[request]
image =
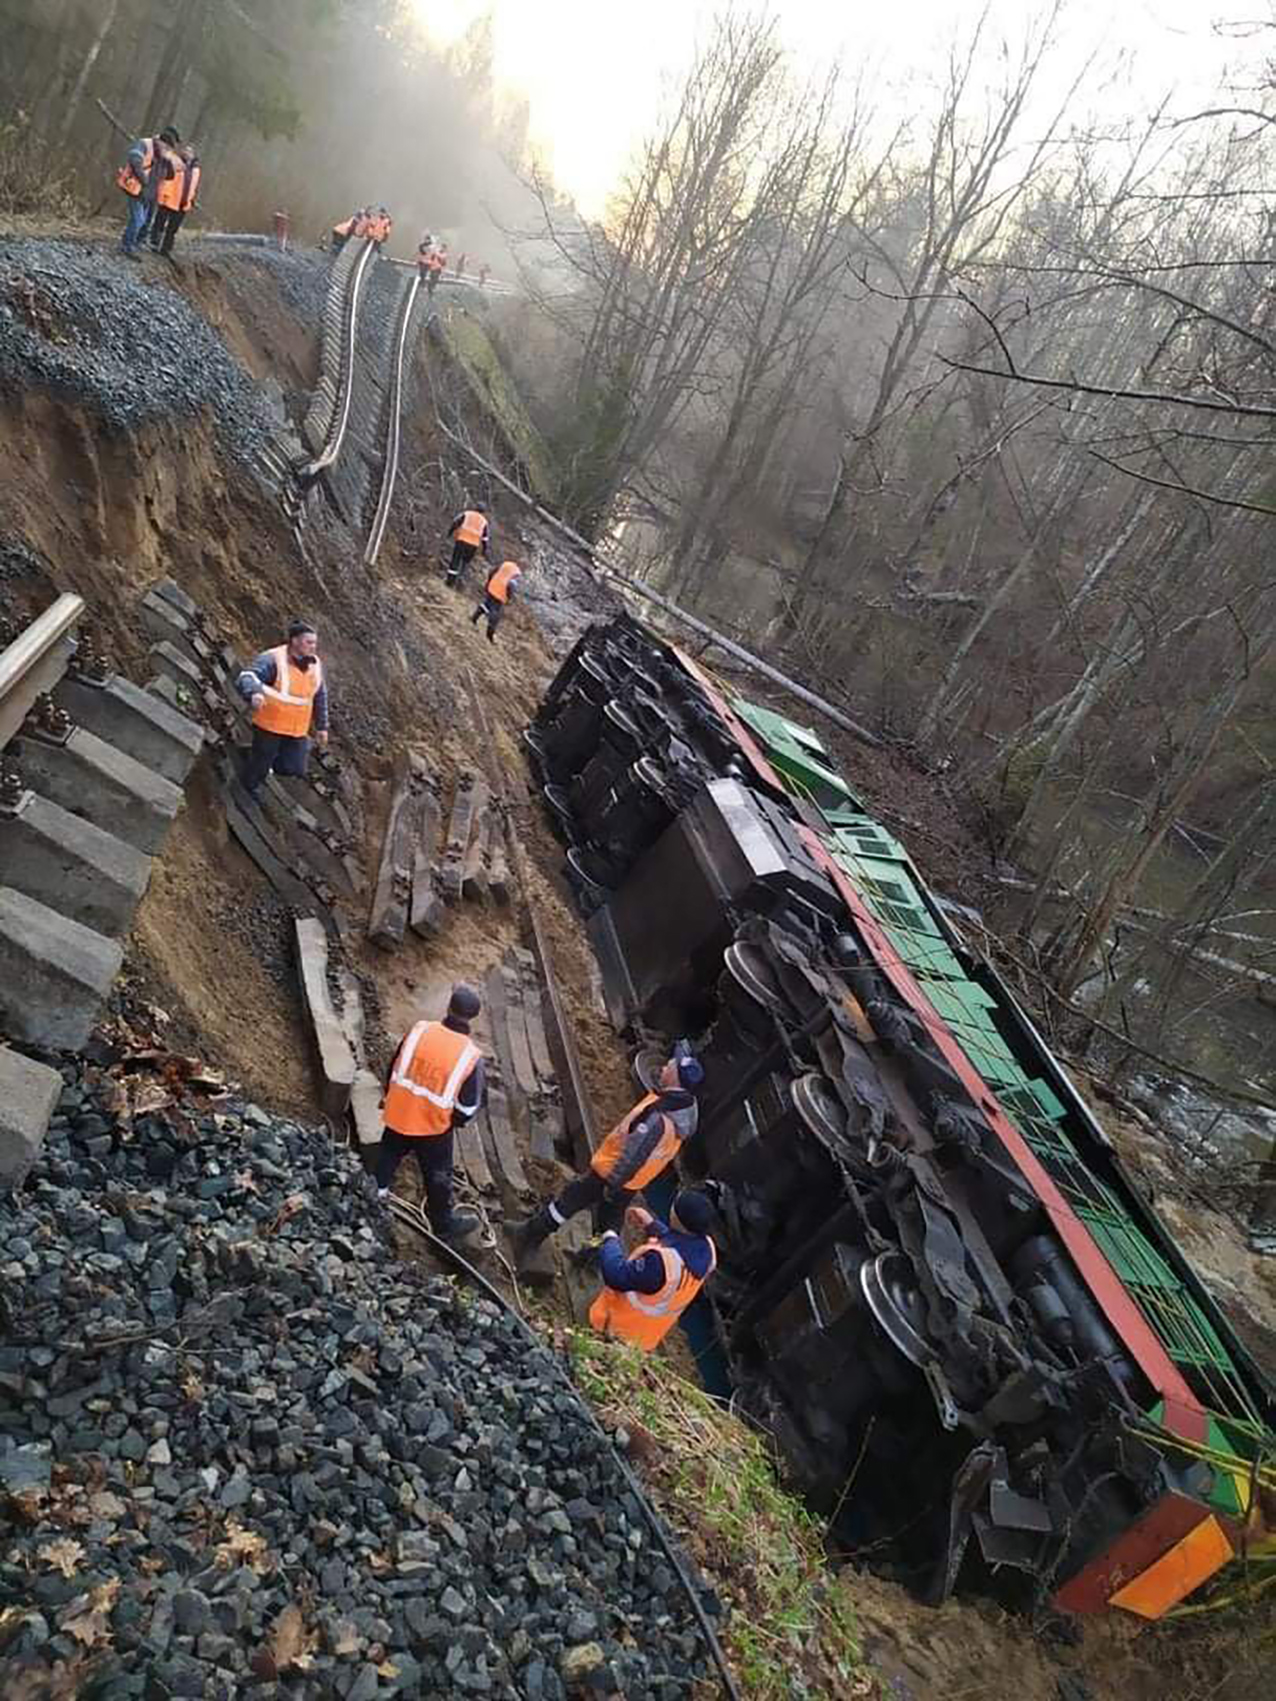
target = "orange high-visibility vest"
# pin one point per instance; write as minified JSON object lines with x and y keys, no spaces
{"x":612,"y":1151}
{"x":289,"y":702}
{"x":433,"y":1065}
{"x":644,"y":1319}
{"x":178,"y":192}
{"x":471,"y":527}
{"x":498,"y":586}
{"x":127,"y":178}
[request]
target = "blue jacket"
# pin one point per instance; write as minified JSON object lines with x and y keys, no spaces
{"x":263,"y":671}
{"x":646,"y":1273}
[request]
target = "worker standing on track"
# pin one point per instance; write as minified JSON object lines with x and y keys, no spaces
{"x":435,"y":266}
{"x":485,"y":272}
{"x":644,"y":1295}
{"x":140,"y":178}
{"x":496,"y":596}
{"x":289,"y":695}
{"x":435,"y":1081}
{"x":640,"y":1147}
{"x":460,"y":264}
{"x":176,"y":198}
{"x":380,"y":224}
{"x":470,"y":533}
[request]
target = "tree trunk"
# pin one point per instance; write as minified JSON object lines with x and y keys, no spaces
{"x":82,"y":76}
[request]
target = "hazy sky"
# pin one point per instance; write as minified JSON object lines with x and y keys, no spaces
{"x":594,"y":69}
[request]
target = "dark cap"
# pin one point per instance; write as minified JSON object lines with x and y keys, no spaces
{"x":299,"y":628}
{"x":693,"y":1211}
{"x":464,"y":1003}
{"x":169,"y":134}
{"x":690,"y":1068}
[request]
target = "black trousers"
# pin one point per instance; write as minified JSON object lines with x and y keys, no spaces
{"x":164,"y":227}
{"x":269,"y":750}
{"x":433,"y":1156}
{"x":462,"y":555}
{"x":493,"y":609}
{"x":589,"y":1192}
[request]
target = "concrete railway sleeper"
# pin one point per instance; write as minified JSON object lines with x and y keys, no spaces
{"x":91,"y":776}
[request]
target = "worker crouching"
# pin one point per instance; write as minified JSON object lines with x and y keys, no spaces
{"x":500,"y":587}
{"x":643,"y":1295}
{"x":435,"y":1082}
{"x":639,"y":1148}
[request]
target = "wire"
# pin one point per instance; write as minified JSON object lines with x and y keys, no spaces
{"x":411,"y":1218}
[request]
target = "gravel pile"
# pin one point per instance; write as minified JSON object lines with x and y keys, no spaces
{"x":85,"y":323}
{"x":246,"y":1451}
{"x":301,"y":273}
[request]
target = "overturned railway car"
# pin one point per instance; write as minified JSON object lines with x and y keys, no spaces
{"x":971,"y":1338}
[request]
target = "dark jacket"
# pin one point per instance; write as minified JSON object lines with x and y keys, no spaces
{"x":646,"y":1273}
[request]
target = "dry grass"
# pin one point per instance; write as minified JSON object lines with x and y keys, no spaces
{"x":790,"y":1633}
{"x":31,"y":181}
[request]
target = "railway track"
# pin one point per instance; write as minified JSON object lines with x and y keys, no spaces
{"x":393,"y":411}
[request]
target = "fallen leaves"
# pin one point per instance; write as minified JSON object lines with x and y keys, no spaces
{"x":289,"y":1647}
{"x":63,"y":1555}
{"x":242,"y":1547}
{"x":88,"y":1617}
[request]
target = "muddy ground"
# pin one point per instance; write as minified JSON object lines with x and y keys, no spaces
{"x":107,"y":513}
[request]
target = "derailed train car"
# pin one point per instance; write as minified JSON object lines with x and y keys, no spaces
{"x":970,"y":1336}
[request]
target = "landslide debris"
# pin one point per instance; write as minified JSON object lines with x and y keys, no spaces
{"x":82,"y":323}
{"x":244,"y":1445}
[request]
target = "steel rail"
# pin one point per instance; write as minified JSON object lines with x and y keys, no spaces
{"x":394,"y":422}
{"x":35,"y":661}
{"x":337,"y":432}
{"x":412,"y":1219}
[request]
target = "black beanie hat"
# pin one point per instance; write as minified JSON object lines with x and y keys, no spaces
{"x":464,"y":1003}
{"x":693,"y":1211}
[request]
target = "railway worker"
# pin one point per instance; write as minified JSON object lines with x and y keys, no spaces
{"x":435,"y":266}
{"x":643,"y":1295}
{"x":485,"y":272}
{"x":460,"y":264}
{"x":379,"y":227}
{"x":289,"y":698}
{"x":341,"y":233}
{"x":435,"y":1083}
{"x":177,"y":195}
{"x":140,"y":177}
{"x":640,"y":1147}
{"x":470,"y":533}
{"x":498,"y":590}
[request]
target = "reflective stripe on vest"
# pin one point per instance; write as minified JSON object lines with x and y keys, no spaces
{"x":127,"y":178}
{"x":614,"y":1149}
{"x":433,"y":1065}
{"x":644,"y":1319}
{"x":498,"y":586}
{"x":288,"y":704}
{"x":471,"y":527}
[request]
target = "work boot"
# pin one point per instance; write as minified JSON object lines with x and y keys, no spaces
{"x":460,"y":1225}
{"x":527,"y":1235}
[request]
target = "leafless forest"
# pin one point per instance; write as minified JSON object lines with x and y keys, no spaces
{"x":957,"y":405}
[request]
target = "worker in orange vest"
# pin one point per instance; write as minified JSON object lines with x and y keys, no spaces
{"x":176,"y":198}
{"x":341,"y":233}
{"x":435,"y":1081}
{"x":640,"y":1147}
{"x":435,"y":266}
{"x":496,"y":595}
{"x":140,"y":178}
{"x":289,"y":698}
{"x":470,"y":533}
{"x":645,"y":1294}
